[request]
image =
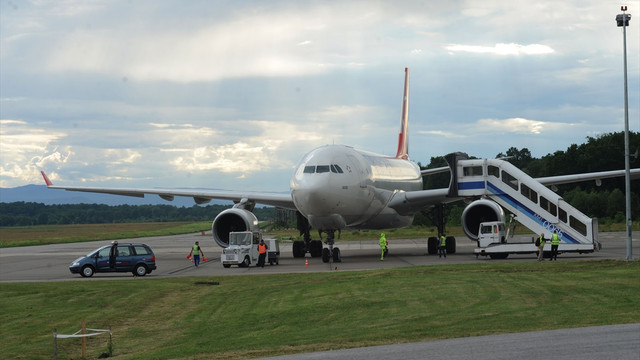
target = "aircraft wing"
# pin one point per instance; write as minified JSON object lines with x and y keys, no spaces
{"x":566,"y":179}
{"x":200,"y":196}
{"x":406,"y":203}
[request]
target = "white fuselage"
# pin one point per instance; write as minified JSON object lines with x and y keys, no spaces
{"x":337,"y":187}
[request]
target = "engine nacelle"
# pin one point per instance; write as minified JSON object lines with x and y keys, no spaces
{"x":233,"y":219}
{"x":477,"y":212}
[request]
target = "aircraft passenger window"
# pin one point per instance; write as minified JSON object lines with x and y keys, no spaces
{"x":336,"y":169}
{"x":472,"y":171}
{"x":494,"y":170}
{"x":322,"y":169}
{"x":309,"y":169}
{"x":529,"y":193}
{"x":578,"y":225}
{"x":548,"y":206}
{"x":562,"y":215}
{"x":509,"y":180}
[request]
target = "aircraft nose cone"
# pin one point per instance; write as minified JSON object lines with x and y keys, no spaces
{"x":313,"y":199}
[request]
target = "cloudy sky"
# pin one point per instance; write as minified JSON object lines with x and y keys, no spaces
{"x":231,"y":94}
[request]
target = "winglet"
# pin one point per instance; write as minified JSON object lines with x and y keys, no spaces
{"x":46,"y":179}
{"x":403,"y":136}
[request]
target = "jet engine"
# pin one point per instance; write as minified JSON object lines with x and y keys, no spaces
{"x":233,"y":219}
{"x":480,"y":211}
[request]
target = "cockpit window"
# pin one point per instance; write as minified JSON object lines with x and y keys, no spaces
{"x":322,"y":169}
{"x":334,"y":168}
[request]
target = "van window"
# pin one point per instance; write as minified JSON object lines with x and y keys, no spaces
{"x":124,"y":250}
{"x":141,"y":250}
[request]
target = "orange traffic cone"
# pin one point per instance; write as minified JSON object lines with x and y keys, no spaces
{"x":306,"y":261}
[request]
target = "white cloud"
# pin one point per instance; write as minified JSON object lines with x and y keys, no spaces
{"x":519,"y":126}
{"x":510,"y":49}
{"x":25,"y":150}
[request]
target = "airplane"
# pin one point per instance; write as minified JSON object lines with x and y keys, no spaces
{"x":338,"y":187}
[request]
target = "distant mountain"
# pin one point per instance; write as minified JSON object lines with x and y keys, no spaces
{"x":40,"y":194}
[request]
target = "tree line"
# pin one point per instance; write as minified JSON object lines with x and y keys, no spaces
{"x":30,"y":213}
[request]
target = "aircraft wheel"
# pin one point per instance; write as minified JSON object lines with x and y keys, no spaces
{"x":298,"y":249}
{"x":451,"y":245}
{"x":326,"y":254}
{"x":336,"y":255}
{"x":315,"y":248}
{"x":432,"y":245}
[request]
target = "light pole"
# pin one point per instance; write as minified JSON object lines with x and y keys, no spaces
{"x":623,"y":21}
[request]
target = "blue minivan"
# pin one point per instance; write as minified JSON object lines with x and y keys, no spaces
{"x":135,"y":258}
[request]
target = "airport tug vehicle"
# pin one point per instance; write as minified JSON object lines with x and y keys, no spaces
{"x":243,"y":249}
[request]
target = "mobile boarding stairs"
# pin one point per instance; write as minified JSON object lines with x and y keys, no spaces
{"x":535,"y":206}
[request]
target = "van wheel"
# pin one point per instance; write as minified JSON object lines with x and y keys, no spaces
{"x":226,"y":266}
{"x":87,"y":271}
{"x":140,"y":270}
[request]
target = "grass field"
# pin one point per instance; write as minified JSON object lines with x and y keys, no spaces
{"x":58,"y":234}
{"x":262,"y":315}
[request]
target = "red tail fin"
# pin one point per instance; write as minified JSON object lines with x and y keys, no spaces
{"x":46,"y":179}
{"x":403,"y":136}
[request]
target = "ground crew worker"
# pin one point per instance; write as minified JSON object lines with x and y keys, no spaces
{"x":196,"y":251}
{"x":262,"y":253}
{"x":555,"y":241}
{"x":442,"y":249}
{"x":383,"y":246}
{"x":113,"y":254}
{"x":540,"y":242}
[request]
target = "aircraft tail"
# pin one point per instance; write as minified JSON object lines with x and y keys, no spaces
{"x":403,"y":136}
{"x":46,"y":178}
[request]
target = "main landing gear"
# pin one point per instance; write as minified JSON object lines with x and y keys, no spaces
{"x":315,"y":247}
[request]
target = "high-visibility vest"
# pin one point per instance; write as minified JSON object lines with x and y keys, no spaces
{"x":443,"y":241}
{"x":541,"y":241}
{"x":555,"y":239}
{"x":196,"y":250}
{"x":383,"y":242}
{"x":262,"y":248}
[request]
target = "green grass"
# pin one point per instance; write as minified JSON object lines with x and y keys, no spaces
{"x":11,"y":236}
{"x":264,"y":315}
